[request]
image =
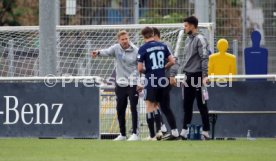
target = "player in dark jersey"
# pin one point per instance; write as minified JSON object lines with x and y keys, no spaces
{"x":171,"y":72}
{"x":153,"y":55}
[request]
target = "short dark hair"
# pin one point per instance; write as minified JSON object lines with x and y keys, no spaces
{"x":192,"y":20}
{"x":156,"y":32}
{"x":147,"y":32}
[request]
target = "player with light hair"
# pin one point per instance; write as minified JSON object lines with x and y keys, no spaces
{"x":125,"y":54}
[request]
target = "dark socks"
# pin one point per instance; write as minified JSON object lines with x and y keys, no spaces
{"x":150,"y":121}
{"x":157,"y":119}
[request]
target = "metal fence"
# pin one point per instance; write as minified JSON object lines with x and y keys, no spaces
{"x":98,"y":12}
{"x":235,"y":19}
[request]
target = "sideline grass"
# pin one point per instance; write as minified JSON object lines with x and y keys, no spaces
{"x":98,"y":150}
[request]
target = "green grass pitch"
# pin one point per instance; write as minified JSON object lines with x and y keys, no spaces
{"x":99,"y":150}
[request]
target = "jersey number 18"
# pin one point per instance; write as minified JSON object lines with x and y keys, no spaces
{"x":157,"y":60}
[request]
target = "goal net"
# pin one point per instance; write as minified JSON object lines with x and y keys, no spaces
{"x":19,"y":56}
{"x":19,"y":47}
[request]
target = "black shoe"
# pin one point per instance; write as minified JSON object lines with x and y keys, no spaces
{"x":182,"y":137}
{"x":170,"y":137}
{"x":165,"y":133}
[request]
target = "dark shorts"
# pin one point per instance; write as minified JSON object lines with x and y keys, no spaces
{"x":157,"y":94}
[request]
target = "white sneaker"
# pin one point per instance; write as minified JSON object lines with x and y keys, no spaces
{"x":205,"y":135}
{"x":163,"y":128}
{"x":184,"y":134}
{"x":120,"y":138}
{"x":175,"y":132}
{"x":159,"y":135}
{"x":133,"y":137}
{"x":150,"y":139}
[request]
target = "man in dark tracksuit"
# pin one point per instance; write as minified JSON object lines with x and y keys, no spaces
{"x":196,"y":71}
{"x":125,"y":53}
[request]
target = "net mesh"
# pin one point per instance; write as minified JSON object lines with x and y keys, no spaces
{"x":19,"y":48}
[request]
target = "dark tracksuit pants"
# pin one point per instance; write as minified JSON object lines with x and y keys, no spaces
{"x":123,"y":94}
{"x":190,"y":94}
{"x":165,"y":108}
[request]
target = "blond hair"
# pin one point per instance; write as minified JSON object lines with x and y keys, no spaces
{"x":121,"y":33}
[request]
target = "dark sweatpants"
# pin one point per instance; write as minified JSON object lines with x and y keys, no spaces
{"x":192,"y":92}
{"x":123,"y":94}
